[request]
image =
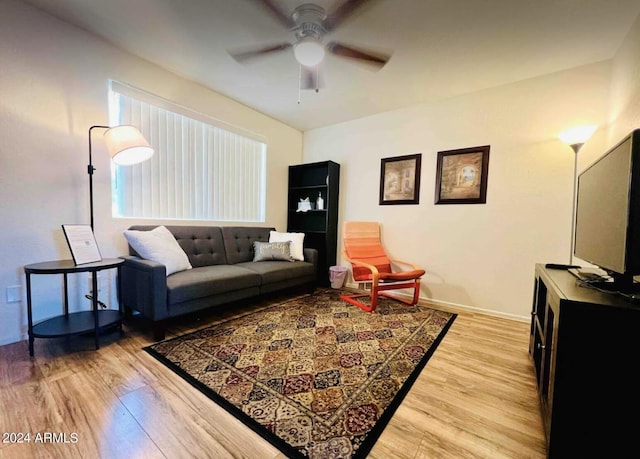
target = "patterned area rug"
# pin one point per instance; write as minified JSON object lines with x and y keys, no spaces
{"x":314,"y":376}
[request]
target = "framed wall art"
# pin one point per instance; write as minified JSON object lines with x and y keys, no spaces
{"x":461,"y":176}
{"x":400,"y":180}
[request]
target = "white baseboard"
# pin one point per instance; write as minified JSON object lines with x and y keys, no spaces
{"x":457,"y":307}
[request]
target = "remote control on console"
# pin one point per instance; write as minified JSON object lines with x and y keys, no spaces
{"x":560,"y":266}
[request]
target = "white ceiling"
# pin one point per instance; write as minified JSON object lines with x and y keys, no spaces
{"x":441,"y":48}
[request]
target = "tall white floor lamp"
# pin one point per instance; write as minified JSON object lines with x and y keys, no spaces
{"x":575,"y":138}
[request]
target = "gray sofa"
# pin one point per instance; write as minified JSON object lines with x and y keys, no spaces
{"x":223,"y":272}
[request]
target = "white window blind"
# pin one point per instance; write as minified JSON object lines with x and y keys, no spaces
{"x":199,"y":171}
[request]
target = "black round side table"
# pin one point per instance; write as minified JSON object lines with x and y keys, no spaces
{"x":76,"y":322}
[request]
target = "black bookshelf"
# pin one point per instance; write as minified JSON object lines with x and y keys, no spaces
{"x":320,"y":226}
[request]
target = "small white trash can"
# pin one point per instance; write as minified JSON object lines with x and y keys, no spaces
{"x":337,"y":275}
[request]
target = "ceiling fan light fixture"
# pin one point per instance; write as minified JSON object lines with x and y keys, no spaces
{"x":308,"y":52}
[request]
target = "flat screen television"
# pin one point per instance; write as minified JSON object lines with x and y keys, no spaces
{"x":607,"y":230}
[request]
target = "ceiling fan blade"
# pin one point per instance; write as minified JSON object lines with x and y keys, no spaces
{"x":310,"y":78}
{"x":341,"y":13}
{"x":242,"y":55}
{"x":277,"y":13}
{"x":374,"y":58}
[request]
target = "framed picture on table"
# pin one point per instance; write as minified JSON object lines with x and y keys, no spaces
{"x":82,"y":243}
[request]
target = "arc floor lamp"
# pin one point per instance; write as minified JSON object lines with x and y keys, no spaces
{"x":575,"y":138}
{"x":126,"y":146}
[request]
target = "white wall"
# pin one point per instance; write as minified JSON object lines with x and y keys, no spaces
{"x":624,"y":103}
{"x":478,"y":256}
{"x":53,"y":87}
{"x":481,"y":257}
{"x":623,"y":114}
{"x":53,"y":81}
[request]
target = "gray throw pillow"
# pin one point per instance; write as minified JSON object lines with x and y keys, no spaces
{"x":270,"y":251}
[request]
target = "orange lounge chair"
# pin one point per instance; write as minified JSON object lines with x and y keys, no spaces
{"x":370,"y":264}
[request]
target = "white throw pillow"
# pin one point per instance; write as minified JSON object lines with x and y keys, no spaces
{"x":161,"y":246}
{"x":297,"y":242}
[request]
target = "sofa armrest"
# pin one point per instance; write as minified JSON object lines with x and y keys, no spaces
{"x":311,"y":256}
{"x":144,"y":287}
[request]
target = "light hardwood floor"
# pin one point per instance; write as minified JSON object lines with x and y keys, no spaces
{"x":476,"y":398}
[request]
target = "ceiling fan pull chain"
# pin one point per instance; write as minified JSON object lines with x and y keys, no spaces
{"x":299,"y":81}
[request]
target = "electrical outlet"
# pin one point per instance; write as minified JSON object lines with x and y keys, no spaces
{"x":13,"y":294}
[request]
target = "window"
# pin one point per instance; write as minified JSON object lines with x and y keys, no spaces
{"x":202,"y":168}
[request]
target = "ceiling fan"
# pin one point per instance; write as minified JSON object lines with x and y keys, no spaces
{"x":310,"y":23}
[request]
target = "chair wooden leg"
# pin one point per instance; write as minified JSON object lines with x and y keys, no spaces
{"x":416,"y":293}
{"x":351,"y":299}
{"x":377,"y":291}
{"x":374,"y":297}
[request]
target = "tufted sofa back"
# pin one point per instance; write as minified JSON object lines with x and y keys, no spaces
{"x":238,"y":241}
{"x":202,"y":244}
{"x":214,"y":245}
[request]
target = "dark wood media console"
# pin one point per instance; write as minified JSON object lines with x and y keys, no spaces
{"x":585,"y":346}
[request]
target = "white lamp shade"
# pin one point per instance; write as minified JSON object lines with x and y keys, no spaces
{"x":127,"y":145}
{"x":577,"y":135}
{"x":309,"y":52}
